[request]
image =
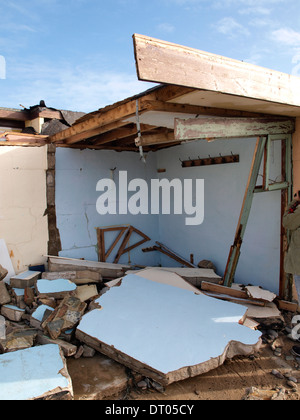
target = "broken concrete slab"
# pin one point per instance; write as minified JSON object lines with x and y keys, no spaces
{"x":86,"y":292}
{"x":146,"y":326}
{"x":4,"y":295}
{"x":18,"y":340}
{"x":26,"y":279}
{"x":67,"y":275}
{"x":107,"y":270}
{"x":13,"y":313}
{"x":77,"y":277}
{"x":57,"y":289}
{"x":68,"y":349}
{"x":64,"y":317}
{"x":35,"y":373}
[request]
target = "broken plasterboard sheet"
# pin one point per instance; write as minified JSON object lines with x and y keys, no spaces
{"x":256,"y":292}
{"x":5,"y":261}
{"x":160,"y":276}
{"x":164,"y":332}
{"x":35,"y":373}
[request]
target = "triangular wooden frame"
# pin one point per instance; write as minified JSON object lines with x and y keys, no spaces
{"x":123,"y":249}
{"x":102,"y":254}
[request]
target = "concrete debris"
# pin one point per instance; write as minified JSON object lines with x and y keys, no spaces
{"x":107,"y":271}
{"x":87,"y":292}
{"x":64,"y":317}
{"x":18,"y":340}
{"x":26,"y":279}
{"x":68,"y":349}
{"x":77,"y":277}
{"x":13,"y":313}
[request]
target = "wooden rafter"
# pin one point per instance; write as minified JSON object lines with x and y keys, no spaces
{"x":114,"y":117}
{"x":121,"y":133}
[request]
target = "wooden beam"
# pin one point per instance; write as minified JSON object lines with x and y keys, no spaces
{"x":162,"y":62}
{"x":121,"y":133}
{"x":91,"y":125}
{"x":154,"y":139}
{"x":47,"y":113}
{"x":218,"y":128}
{"x":20,"y":139}
{"x":14,"y":115}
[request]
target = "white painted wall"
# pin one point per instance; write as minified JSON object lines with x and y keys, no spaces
{"x":23,"y":203}
{"x":79,"y":171}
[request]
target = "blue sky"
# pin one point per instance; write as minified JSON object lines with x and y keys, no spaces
{"x":78,"y":54}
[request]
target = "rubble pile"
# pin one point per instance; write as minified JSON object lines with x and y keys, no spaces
{"x":37,"y":311}
{"x":51,"y":316}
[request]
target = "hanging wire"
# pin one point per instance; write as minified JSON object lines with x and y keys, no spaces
{"x":138,"y":124}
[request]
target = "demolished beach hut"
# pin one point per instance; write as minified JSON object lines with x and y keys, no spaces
{"x":231,"y":127}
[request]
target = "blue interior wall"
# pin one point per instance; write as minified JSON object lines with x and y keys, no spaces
{"x":77,"y":174}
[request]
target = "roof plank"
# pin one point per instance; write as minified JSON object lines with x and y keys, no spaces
{"x":162,"y":62}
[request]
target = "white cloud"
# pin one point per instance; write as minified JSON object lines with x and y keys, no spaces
{"x":229,"y":26}
{"x":287,"y":36}
{"x":255,"y":11}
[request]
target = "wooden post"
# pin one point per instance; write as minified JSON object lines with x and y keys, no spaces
{"x":235,"y":250}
